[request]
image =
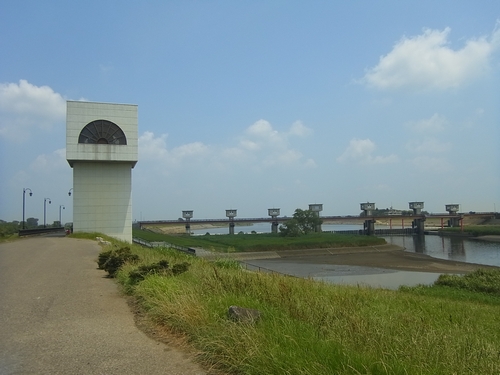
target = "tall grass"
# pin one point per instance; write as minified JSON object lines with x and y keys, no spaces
{"x":477,"y":230}
{"x":309,"y":327}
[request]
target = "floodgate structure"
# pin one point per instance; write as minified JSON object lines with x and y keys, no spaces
{"x":453,"y":218}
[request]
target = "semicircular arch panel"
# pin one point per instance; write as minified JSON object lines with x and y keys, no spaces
{"x":102,"y":132}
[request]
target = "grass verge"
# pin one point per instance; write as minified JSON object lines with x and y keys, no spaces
{"x":309,"y":327}
{"x":477,"y":230}
{"x":262,"y":241}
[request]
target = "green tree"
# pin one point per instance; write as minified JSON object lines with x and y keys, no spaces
{"x":303,"y":222}
{"x":8,"y":229}
{"x":31,"y":222}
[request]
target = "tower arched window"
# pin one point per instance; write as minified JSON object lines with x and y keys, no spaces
{"x":102,"y":132}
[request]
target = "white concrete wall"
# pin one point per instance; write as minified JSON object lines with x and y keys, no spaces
{"x":79,"y":114}
{"x":102,"y":173}
{"x":102,"y":198}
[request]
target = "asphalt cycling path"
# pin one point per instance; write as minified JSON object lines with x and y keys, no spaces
{"x":59,"y":314}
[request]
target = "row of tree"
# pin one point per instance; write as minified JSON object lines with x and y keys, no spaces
{"x":10,"y":228}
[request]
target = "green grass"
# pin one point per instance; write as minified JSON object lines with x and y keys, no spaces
{"x":262,"y":242}
{"x":477,"y":230}
{"x":309,"y":327}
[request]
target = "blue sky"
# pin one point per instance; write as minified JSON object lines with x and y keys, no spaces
{"x":258,"y":104}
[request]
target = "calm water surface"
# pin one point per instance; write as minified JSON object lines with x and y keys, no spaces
{"x":452,"y":248}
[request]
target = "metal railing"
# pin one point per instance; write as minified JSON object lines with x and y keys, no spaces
{"x":31,"y":232}
{"x":153,"y":244}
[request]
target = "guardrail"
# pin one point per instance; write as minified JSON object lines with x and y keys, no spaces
{"x":149,"y":244}
{"x":31,"y":232}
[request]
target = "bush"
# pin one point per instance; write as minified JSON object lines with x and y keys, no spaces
{"x":103,"y":258}
{"x":482,"y":281}
{"x":159,"y":268}
{"x":112,"y":260}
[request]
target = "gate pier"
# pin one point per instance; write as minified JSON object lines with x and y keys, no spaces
{"x":418,"y":223}
{"x":369,"y":224}
{"x":231,"y":214}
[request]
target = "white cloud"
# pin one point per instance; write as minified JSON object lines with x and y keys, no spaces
{"x":427,"y":62}
{"x":360,"y":151}
{"x":24,"y":106}
{"x":262,"y":133}
{"x":299,"y":129}
{"x":425,"y":143}
{"x":428,"y":145}
{"x":49,"y":162}
{"x":435,"y":124}
{"x":155,"y":149}
{"x":260,"y":146}
{"x":151,"y":147}
{"x":272,"y":147}
{"x":431,"y":164}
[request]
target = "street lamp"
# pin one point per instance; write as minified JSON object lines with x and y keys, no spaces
{"x":24,"y":201}
{"x":45,"y":211}
{"x":69,"y":192}
{"x":60,"y":219}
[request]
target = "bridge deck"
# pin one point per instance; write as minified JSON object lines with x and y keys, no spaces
{"x":329,"y":219}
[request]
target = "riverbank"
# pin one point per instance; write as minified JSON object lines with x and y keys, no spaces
{"x":310,"y":327}
{"x":384,"y":256}
{"x":392,"y":259}
{"x":488,"y":238}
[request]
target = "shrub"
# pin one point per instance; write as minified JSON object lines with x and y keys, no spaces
{"x":482,"y":280}
{"x":103,"y":258}
{"x":179,"y":268}
{"x":112,"y":260}
{"x":158,"y":268}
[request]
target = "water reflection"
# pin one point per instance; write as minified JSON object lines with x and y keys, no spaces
{"x":390,"y":280}
{"x":453,"y":248}
{"x":343,"y":274}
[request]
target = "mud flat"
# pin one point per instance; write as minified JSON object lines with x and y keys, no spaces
{"x":181,"y":228}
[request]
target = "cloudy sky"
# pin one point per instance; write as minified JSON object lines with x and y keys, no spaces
{"x":252,"y":105}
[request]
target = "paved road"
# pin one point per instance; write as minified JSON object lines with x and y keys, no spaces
{"x":60,"y":315}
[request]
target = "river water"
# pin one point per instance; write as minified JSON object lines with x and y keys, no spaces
{"x":452,"y":248}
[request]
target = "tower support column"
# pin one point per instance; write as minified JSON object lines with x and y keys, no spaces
{"x":231,"y":214}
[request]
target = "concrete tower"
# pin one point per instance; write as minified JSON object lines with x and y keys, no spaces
{"x":101,"y":147}
{"x":231,"y":214}
{"x":316,"y":208}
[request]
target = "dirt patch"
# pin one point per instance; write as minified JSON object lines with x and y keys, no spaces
{"x":181,"y":228}
{"x":392,"y":259}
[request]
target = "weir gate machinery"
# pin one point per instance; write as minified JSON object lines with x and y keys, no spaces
{"x":231,"y":214}
{"x":369,"y":224}
{"x":452,"y":209}
{"x":418,"y":223}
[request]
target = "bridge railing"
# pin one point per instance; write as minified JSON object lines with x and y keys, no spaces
{"x":377,"y":232}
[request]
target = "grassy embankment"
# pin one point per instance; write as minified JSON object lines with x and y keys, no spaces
{"x":261,"y":242}
{"x":309,"y":327}
{"x":477,"y":230}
